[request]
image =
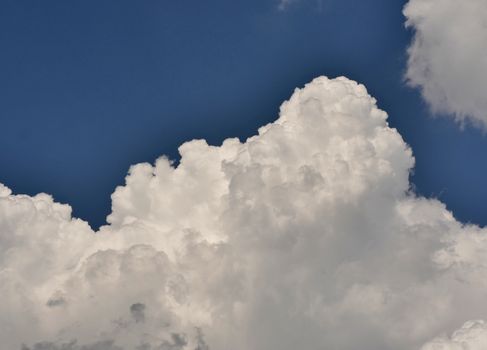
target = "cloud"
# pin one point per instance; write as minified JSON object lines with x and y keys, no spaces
{"x":447,"y":57}
{"x":284,"y":4}
{"x":472,"y":336}
{"x":304,"y":236}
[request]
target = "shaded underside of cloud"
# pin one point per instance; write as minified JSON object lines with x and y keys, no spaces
{"x":448,"y":56}
{"x":305,"y":236}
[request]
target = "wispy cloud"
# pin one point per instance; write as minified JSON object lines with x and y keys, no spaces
{"x":284,"y":4}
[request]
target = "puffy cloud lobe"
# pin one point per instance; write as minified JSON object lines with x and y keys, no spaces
{"x":303,"y":236}
{"x":472,"y":336}
{"x":447,"y":58}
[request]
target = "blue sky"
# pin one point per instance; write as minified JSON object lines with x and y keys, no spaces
{"x":88,"y":88}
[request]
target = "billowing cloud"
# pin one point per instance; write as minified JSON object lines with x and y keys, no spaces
{"x":472,"y":336}
{"x":305,"y":236}
{"x":448,"y":56}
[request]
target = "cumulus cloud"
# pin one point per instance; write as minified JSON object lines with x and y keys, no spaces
{"x":305,"y":236}
{"x":447,"y":58}
{"x":472,"y":336}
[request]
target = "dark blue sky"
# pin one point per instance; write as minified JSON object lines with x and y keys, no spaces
{"x":88,"y":88}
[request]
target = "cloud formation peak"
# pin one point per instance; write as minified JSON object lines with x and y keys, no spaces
{"x":304,"y":236}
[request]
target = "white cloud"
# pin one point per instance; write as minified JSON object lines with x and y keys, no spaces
{"x":448,"y":56}
{"x":472,"y":336}
{"x":305,"y":236}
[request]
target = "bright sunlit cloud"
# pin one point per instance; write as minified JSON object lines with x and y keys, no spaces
{"x":305,"y":236}
{"x":448,"y":56}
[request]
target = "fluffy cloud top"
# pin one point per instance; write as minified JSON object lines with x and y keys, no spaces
{"x":448,"y":56}
{"x":305,"y":236}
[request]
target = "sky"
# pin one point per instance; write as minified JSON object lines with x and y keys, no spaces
{"x":89,"y":88}
{"x":245,"y":175}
